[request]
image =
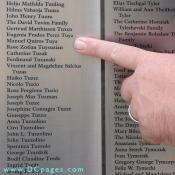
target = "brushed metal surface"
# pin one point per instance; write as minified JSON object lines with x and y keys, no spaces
{"x":149,"y":25}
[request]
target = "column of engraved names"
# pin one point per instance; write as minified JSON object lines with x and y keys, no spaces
{"x":33,"y":32}
{"x":136,"y":21}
